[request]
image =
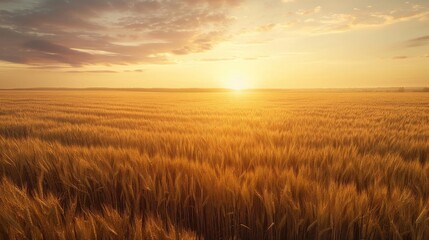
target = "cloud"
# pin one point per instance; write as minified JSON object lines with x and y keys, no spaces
{"x":266,"y":28}
{"x":217,"y":59}
{"x":305,"y":12}
{"x":86,"y":32}
{"x":417,"y":42}
{"x":313,"y":22}
{"x":92,"y":71}
{"x":46,"y":50}
{"x":400,"y":57}
{"x":403,"y":57}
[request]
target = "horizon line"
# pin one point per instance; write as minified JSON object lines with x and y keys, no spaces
{"x":161,"y":89}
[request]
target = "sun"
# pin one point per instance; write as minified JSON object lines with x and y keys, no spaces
{"x":237,"y":86}
{"x":237,"y":83}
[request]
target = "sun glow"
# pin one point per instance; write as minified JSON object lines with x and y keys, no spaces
{"x":237,"y":82}
{"x":237,"y":87}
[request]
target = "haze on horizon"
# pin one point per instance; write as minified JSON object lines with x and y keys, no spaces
{"x":214,"y":43}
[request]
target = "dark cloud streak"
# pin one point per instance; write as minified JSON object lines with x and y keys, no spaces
{"x":417,"y":42}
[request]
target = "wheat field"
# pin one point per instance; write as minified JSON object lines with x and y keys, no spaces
{"x":214,"y":165}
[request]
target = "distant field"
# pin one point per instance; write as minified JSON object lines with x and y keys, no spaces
{"x":214,"y":165}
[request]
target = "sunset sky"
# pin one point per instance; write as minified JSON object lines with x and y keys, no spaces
{"x":214,"y":43}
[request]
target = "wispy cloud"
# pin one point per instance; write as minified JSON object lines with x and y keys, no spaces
{"x":92,"y":71}
{"x":405,"y":57}
{"x":417,"y":42}
{"x":218,"y":59}
{"x":400,"y":57}
{"x":306,"y":12}
{"x":314,"y":22}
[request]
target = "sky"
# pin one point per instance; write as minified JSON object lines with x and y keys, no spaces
{"x":214,"y":43}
